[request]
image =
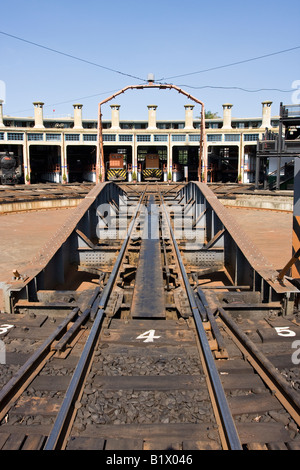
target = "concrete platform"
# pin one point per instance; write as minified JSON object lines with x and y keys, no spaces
{"x":22,"y":235}
{"x":271,"y":232}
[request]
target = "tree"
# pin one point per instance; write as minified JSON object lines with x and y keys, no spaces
{"x":211,"y":115}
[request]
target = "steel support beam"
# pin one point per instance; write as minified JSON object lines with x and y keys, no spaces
{"x":296,"y":219}
{"x":242,"y":260}
{"x":51,"y":266}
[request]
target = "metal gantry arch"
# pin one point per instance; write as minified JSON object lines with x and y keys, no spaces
{"x":202,"y":166}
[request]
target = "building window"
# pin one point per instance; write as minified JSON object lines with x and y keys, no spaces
{"x":109,"y":137}
{"x":89,"y":125}
{"x":53,"y":137}
{"x":1,"y":135}
{"x":14,"y":136}
{"x":232,"y":137}
{"x":178,"y":138}
{"x":143,"y":138}
{"x":183,"y":156}
{"x":35,"y":136}
{"x":214,"y":137}
{"x":160,"y":138}
{"x":89,"y":137}
{"x":194,"y":138}
{"x":250,"y":137}
{"x":125,"y":138}
{"x":72,"y":137}
{"x":178,"y":125}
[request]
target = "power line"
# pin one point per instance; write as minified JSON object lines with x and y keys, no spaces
{"x":72,"y":56}
{"x":232,"y":64}
{"x":235,"y":88}
{"x":70,"y":101}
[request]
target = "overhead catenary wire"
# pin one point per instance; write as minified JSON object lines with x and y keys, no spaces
{"x":164,"y":78}
{"x":72,"y":101}
{"x":244,"y":61}
{"x":71,"y":56}
{"x":234,"y":88}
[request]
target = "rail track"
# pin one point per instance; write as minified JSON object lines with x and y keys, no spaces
{"x":154,"y":358}
{"x":25,"y":198}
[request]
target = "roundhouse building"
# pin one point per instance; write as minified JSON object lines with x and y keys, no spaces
{"x":65,"y":149}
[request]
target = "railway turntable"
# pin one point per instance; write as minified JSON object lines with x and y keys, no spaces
{"x":150,"y":322}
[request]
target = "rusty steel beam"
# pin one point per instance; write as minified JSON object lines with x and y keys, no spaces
{"x":295,"y":271}
{"x":242,"y":260}
{"x":51,"y":265}
{"x":202,"y":167}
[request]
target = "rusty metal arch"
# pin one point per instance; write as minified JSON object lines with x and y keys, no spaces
{"x":202,"y":167}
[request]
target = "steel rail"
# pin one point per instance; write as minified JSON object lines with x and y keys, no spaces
{"x":229,"y":429}
{"x":62,"y":425}
{"x":289,"y":398}
{"x":28,"y":371}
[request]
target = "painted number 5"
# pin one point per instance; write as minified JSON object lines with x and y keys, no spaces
{"x":148,"y":336}
{"x":284,"y":331}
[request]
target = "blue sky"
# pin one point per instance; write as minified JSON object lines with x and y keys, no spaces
{"x":166,"y":38}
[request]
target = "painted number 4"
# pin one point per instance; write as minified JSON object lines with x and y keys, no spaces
{"x":148,"y":336}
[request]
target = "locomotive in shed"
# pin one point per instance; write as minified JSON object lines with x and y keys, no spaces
{"x":9,"y":168}
{"x":116,"y":167}
{"x":152,"y":168}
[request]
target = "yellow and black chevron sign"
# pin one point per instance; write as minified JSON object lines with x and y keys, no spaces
{"x":116,"y":173}
{"x":152,"y":173}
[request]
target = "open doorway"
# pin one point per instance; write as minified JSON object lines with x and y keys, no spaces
{"x":44,"y":163}
{"x":223,"y":164}
{"x":81,"y":162}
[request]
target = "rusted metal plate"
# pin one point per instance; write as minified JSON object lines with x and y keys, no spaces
{"x":37,"y":405}
{"x":148,"y":296}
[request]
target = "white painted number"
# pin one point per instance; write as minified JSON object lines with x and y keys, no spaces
{"x":148,"y":336}
{"x":296,"y":354}
{"x":284,"y":331}
{"x":5,"y":328}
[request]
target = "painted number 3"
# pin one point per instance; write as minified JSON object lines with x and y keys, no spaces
{"x":148,"y":336}
{"x":5,"y":328}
